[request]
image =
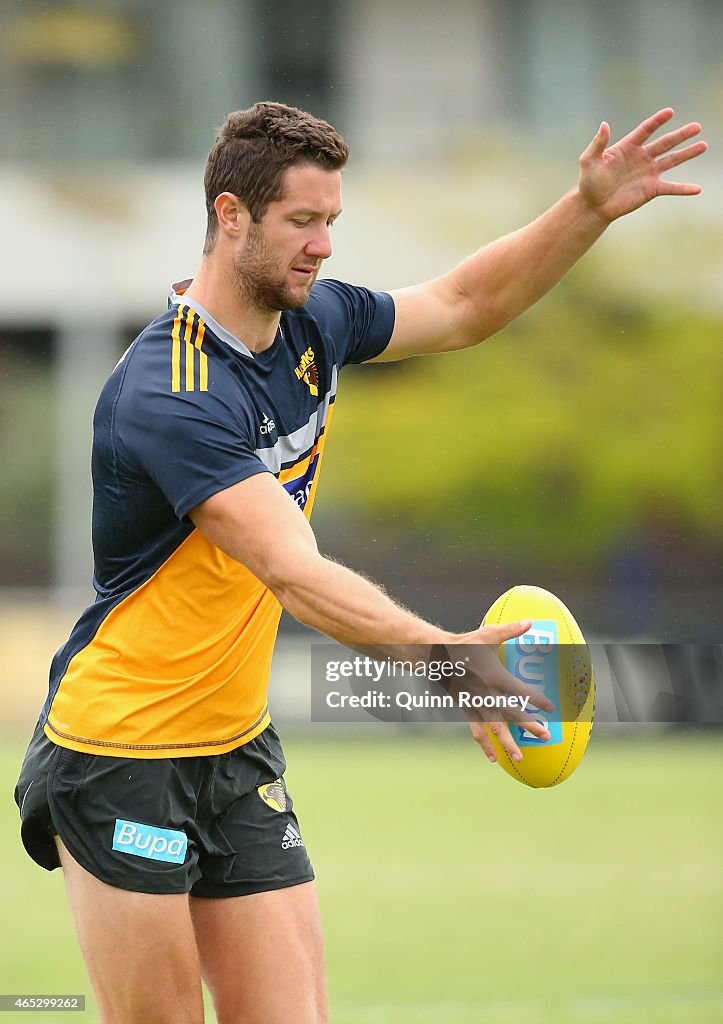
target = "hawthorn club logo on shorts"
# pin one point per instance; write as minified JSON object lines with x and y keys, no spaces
{"x":273,"y":794}
{"x":308,"y":372}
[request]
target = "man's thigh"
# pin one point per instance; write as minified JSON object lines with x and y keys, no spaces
{"x":262,"y":956}
{"x":139,"y":948}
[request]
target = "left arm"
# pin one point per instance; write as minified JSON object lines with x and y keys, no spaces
{"x":493,"y":286}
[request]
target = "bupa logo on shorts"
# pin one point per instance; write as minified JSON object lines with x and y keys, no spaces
{"x":150,"y":841}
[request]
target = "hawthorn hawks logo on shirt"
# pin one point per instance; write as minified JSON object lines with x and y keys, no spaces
{"x":308,"y":372}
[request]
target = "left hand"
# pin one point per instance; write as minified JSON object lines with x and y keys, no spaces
{"x":620,"y":179}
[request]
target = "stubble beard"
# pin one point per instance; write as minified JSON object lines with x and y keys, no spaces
{"x":259,"y":277}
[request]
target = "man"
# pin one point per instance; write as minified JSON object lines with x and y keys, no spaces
{"x":154,"y":776}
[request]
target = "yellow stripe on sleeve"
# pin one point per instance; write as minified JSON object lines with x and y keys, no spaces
{"x":202,"y":357}
{"x":190,"y":382}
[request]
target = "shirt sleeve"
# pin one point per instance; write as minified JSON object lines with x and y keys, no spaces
{"x":358,"y":321}
{"x":190,"y":444}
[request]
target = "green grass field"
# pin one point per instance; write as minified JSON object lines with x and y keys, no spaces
{"x":452,"y":894}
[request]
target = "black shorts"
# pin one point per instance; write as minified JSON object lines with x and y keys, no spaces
{"x":214,"y":826}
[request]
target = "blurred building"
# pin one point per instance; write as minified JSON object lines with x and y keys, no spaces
{"x":125,"y":81}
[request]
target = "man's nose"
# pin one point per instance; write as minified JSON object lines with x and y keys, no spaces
{"x":320,"y":245}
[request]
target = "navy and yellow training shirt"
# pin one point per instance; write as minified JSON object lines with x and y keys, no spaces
{"x":173,"y":658}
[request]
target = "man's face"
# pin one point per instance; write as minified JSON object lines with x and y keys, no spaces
{"x":282,"y":254}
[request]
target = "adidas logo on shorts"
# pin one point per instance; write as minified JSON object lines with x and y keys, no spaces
{"x":291,"y":838}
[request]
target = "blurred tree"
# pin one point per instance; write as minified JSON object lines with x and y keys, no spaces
{"x":545,"y":442}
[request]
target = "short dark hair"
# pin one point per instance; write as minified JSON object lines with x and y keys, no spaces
{"x":254,"y":148}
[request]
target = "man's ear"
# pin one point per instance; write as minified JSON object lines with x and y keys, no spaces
{"x":232,"y":215}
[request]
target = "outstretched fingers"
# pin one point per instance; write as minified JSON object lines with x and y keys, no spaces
{"x":670,"y":160}
{"x":640,"y":135}
{"x":664,"y":163}
{"x":671,"y":139}
{"x":663,"y":151}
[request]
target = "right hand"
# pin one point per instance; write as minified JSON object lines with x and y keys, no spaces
{"x":487,"y":676}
